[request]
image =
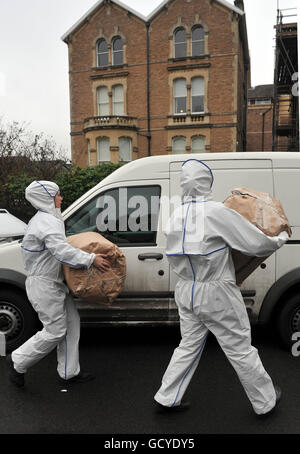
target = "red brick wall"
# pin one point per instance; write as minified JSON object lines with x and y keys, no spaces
{"x":254,"y":128}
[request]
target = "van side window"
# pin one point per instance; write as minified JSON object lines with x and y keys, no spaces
{"x":127,"y":216}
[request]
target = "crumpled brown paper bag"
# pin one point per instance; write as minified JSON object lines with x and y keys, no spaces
{"x":92,"y":284}
{"x":266,"y":213}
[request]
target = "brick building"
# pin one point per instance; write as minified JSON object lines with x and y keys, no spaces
{"x":173,"y":82}
{"x":260,"y":118}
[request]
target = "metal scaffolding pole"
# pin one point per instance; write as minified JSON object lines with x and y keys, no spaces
{"x":285,"y":114}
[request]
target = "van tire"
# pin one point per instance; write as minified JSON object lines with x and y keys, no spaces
{"x":18,"y":320}
{"x":288,"y":320}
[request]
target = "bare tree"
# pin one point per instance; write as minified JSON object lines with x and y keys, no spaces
{"x":25,"y":156}
{"x":21,"y":151}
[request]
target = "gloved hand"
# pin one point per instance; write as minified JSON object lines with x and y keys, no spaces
{"x":283,"y":237}
{"x":101,"y":263}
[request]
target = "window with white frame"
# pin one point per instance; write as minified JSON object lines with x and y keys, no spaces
{"x":180,"y":43}
{"x":118,"y":100}
{"x":89,"y":152}
{"x":180,"y":95}
{"x":197,"y":95}
{"x":198,"y":144}
{"x":103,"y":149}
{"x":124,"y":149}
{"x":178,"y":145}
{"x":263,"y":101}
{"x":198,"y":39}
{"x":117,"y":46}
{"x":102,"y":101}
{"x":102,"y":53}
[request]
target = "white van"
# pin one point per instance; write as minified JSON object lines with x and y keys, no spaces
{"x":10,"y":226}
{"x":271,"y":293}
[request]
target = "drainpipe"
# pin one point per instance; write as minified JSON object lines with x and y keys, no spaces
{"x":148,"y":89}
{"x":263,"y":129}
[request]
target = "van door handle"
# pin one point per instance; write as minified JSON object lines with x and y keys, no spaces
{"x":150,"y":255}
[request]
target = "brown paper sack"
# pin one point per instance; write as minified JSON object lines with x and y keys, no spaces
{"x":92,"y":284}
{"x":264,"y":212}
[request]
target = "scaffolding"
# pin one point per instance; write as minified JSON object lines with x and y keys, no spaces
{"x":285,"y":111}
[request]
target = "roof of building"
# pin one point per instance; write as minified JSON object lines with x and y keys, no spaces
{"x":261,"y":91}
{"x":141,"y":16}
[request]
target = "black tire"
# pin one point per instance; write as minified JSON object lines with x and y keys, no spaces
{"x":18,"y":320}
{"x":288,"y":321}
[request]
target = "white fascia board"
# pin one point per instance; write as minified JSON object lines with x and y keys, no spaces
{"x":222,"y":2}
{"x":160,"y":6}
{"x":232,"y":7}
{"x":131,"y":10}
{"x":135,"y":13}
{"x":93,"y":8}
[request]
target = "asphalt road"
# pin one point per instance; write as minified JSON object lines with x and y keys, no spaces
{"x":129,"y":364}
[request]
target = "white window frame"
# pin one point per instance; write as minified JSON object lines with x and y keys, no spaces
{"x":101,"y":53}
{"x":89,"y":153}
{"x":200,"y":94}
{"x":263,"y":101}
{"x":117,"y":51}
{"x":203,"y":139}
{"x":130,"y":149}
{"x":175,"y":84}
{"x":100,"y":141}
{"x":198,"y":41}
{"x":177,"y":139}
{"x":118,"y":102}
{"x":102,"y":105}
{"x":181,"y":42}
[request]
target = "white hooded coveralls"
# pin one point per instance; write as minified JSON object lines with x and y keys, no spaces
{"x":44,"y":249}
{"x":200,"y":235}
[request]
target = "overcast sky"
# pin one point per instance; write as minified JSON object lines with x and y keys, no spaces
{"x":34,"y":61}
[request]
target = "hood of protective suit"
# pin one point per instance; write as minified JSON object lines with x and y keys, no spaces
{"x":196,"y":180}
{"x":185,"y":229}
{"x":41,"y":195}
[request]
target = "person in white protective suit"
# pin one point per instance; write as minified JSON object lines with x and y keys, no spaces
{"x":200,"y":235}
{"x":44,"y":249}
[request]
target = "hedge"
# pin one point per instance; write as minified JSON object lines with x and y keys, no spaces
{"x":73,"y":184}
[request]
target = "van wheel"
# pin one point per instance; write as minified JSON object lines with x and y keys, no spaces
{"x":18,"y":320}
{"x":288,"y":320}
